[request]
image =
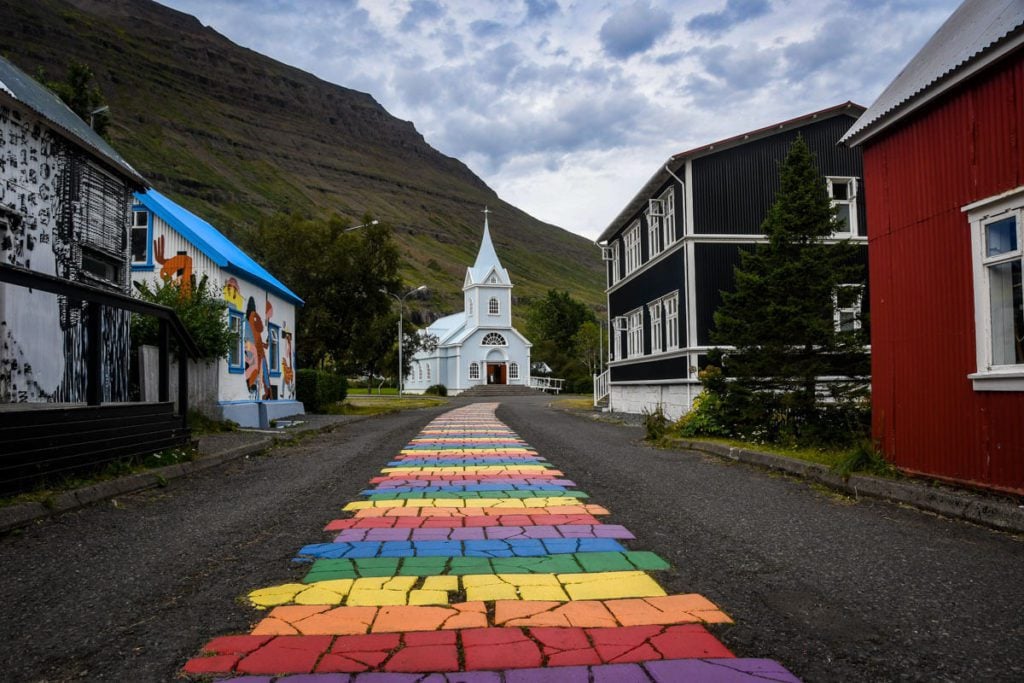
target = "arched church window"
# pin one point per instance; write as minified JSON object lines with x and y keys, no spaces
{"x":494,"y":339}
{"x":428,"y":372}
{"x":419,"y":372}
{"x":513,"y":370}
{"x":493,"y":307}
{"x":469,"y":306}
{"x":474,"y":371}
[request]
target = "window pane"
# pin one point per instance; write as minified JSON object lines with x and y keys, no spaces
{"x":140,"y":244}
{"x":843,"y":214}
{"x":1001,"y":237}
{"x":840,"y":190}
{"x":1007,"y":314}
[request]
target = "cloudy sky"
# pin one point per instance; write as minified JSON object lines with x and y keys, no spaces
{"x":566,"y":107}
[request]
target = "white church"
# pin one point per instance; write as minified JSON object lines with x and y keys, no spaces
{"x":478,"y":345}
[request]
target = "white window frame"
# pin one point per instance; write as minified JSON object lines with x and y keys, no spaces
{"x":631,"y":243}
{"x":671,"y":303}
{"x":618,"y":327}
{"x":616,"y":267}
{"x":654,"y":310}
{"x":513,"y":370}
{"x":635,"y":333}
{"x":854,"y":309}
{"x":989,"y":375}
{"x":668,"y":221}
{"x":489,"y":335}
{"x":428,"y":371}
{"x":469,"y":306}
{"x":474,"y":370}
{"x":654,"y":214}
{"x":850,"y":202}
{"x":493,"y":306}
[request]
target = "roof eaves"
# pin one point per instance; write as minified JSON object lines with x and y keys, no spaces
{"x":25,"y":91}
{"x":865,"y":129}
{"x":662,"y":174}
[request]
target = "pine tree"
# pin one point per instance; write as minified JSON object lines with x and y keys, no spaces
{"x":779,"y":317}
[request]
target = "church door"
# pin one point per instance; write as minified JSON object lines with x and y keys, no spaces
{"x":496,"y":373}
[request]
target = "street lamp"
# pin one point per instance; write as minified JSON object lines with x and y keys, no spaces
{"x":92,"y":114}
{"x":401,"y":313}
{"x":356,"y":227}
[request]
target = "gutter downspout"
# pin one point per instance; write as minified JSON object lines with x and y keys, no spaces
{"x":689,"y":388}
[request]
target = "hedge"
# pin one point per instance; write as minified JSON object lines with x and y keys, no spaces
{"x":318,"y":389}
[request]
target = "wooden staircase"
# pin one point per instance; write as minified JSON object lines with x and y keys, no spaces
{"x":493,"y":390}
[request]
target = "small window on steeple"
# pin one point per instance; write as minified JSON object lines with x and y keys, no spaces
{"x":493,"y":307}
{"x":469,"y":306}
{"x":494,"y":279}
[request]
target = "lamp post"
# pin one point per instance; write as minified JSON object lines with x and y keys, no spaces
{"x":401,"y":314}
{"x":356,"y":227}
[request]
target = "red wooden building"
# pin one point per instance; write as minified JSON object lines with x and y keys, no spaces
{"x":943,"y":150}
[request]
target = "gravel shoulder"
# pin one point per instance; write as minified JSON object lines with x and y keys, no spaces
{"x":834,"y":588}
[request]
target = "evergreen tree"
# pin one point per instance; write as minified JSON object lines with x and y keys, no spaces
{"x":780,"y":315}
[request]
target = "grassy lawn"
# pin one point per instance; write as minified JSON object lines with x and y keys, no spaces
{"x":356,"y":405}
{"x":574,"y":403}
{"x":384,"y":391}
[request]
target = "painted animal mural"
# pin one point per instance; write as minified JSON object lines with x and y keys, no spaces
{"x":288,"y":367}
{"x":257,"y":368}
{"x":177,"y":269}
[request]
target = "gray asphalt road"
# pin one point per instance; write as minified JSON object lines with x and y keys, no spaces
{"x":835,"y":589}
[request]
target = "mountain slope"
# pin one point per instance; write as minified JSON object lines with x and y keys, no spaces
{"x":234,"y":135}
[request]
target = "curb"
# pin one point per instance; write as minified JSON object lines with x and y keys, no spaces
{"x":22,"y":514}
{"x":956,"y":504}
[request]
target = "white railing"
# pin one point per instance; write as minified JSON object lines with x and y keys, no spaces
{"x":601,"y":387}
{"x":552,"y":384}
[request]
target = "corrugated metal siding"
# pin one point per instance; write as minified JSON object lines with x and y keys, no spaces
{"x":733,"y":189}
{"x":713,"y":270}
{"x":926,"y":413}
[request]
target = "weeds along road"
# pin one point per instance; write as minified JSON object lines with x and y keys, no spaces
{"x":834,"y":589}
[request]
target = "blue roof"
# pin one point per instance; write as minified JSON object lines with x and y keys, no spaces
{"x":18,"y":85}
{"x":211,"y":242}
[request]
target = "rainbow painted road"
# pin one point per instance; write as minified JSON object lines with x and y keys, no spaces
{"x":473,"y":560}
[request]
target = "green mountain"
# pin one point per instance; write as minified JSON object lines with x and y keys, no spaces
{"x":234,"y":135}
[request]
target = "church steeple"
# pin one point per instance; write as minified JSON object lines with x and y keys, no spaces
{"x":487,"y":262}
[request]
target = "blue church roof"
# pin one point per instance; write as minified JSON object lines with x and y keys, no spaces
{"x":213,"y":244}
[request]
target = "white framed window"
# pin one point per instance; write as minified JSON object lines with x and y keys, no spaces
{"x":235,"y":353}
{"x":846,"y":307}
{"x":671,"y":304}
{"x":474,"y":370}
{"x":654,"y":215}
{"x":493,"y":339}
{"x":997,"y":242}
{"x":668,"y":221}
{"x":428,"y":372}
{"x":654,"y":310}
{"x":469,"y":306}
{"x":513,"y":370}
{"x":493,"y":307}
{"x":843,"y":193}
{"x":616,"y":267}
{"x":635,"y":333}
{"x":618,"y":327}
{"x":632,"y":243}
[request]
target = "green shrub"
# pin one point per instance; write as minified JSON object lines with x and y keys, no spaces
{"x":318,"y":389}
{"x":865,"y":457}
{"x":201,"y":309}
{"x":437,"y":390}
{"x":656,"y":424}
{"x":703,"y":418}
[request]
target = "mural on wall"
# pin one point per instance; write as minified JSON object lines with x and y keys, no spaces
{"x":176,"y":269}
{"x":55,"y":204}
{"x":257,"y":369}
{"x":287,"y":366}
{"x":232,"y":294}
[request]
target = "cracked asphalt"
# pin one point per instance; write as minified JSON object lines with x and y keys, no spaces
{"x":833,"y":588}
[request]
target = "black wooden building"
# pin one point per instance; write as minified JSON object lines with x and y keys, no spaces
{"x":672,"y":250}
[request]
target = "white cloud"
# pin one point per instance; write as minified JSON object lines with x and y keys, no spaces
{"x":566,"y":107}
